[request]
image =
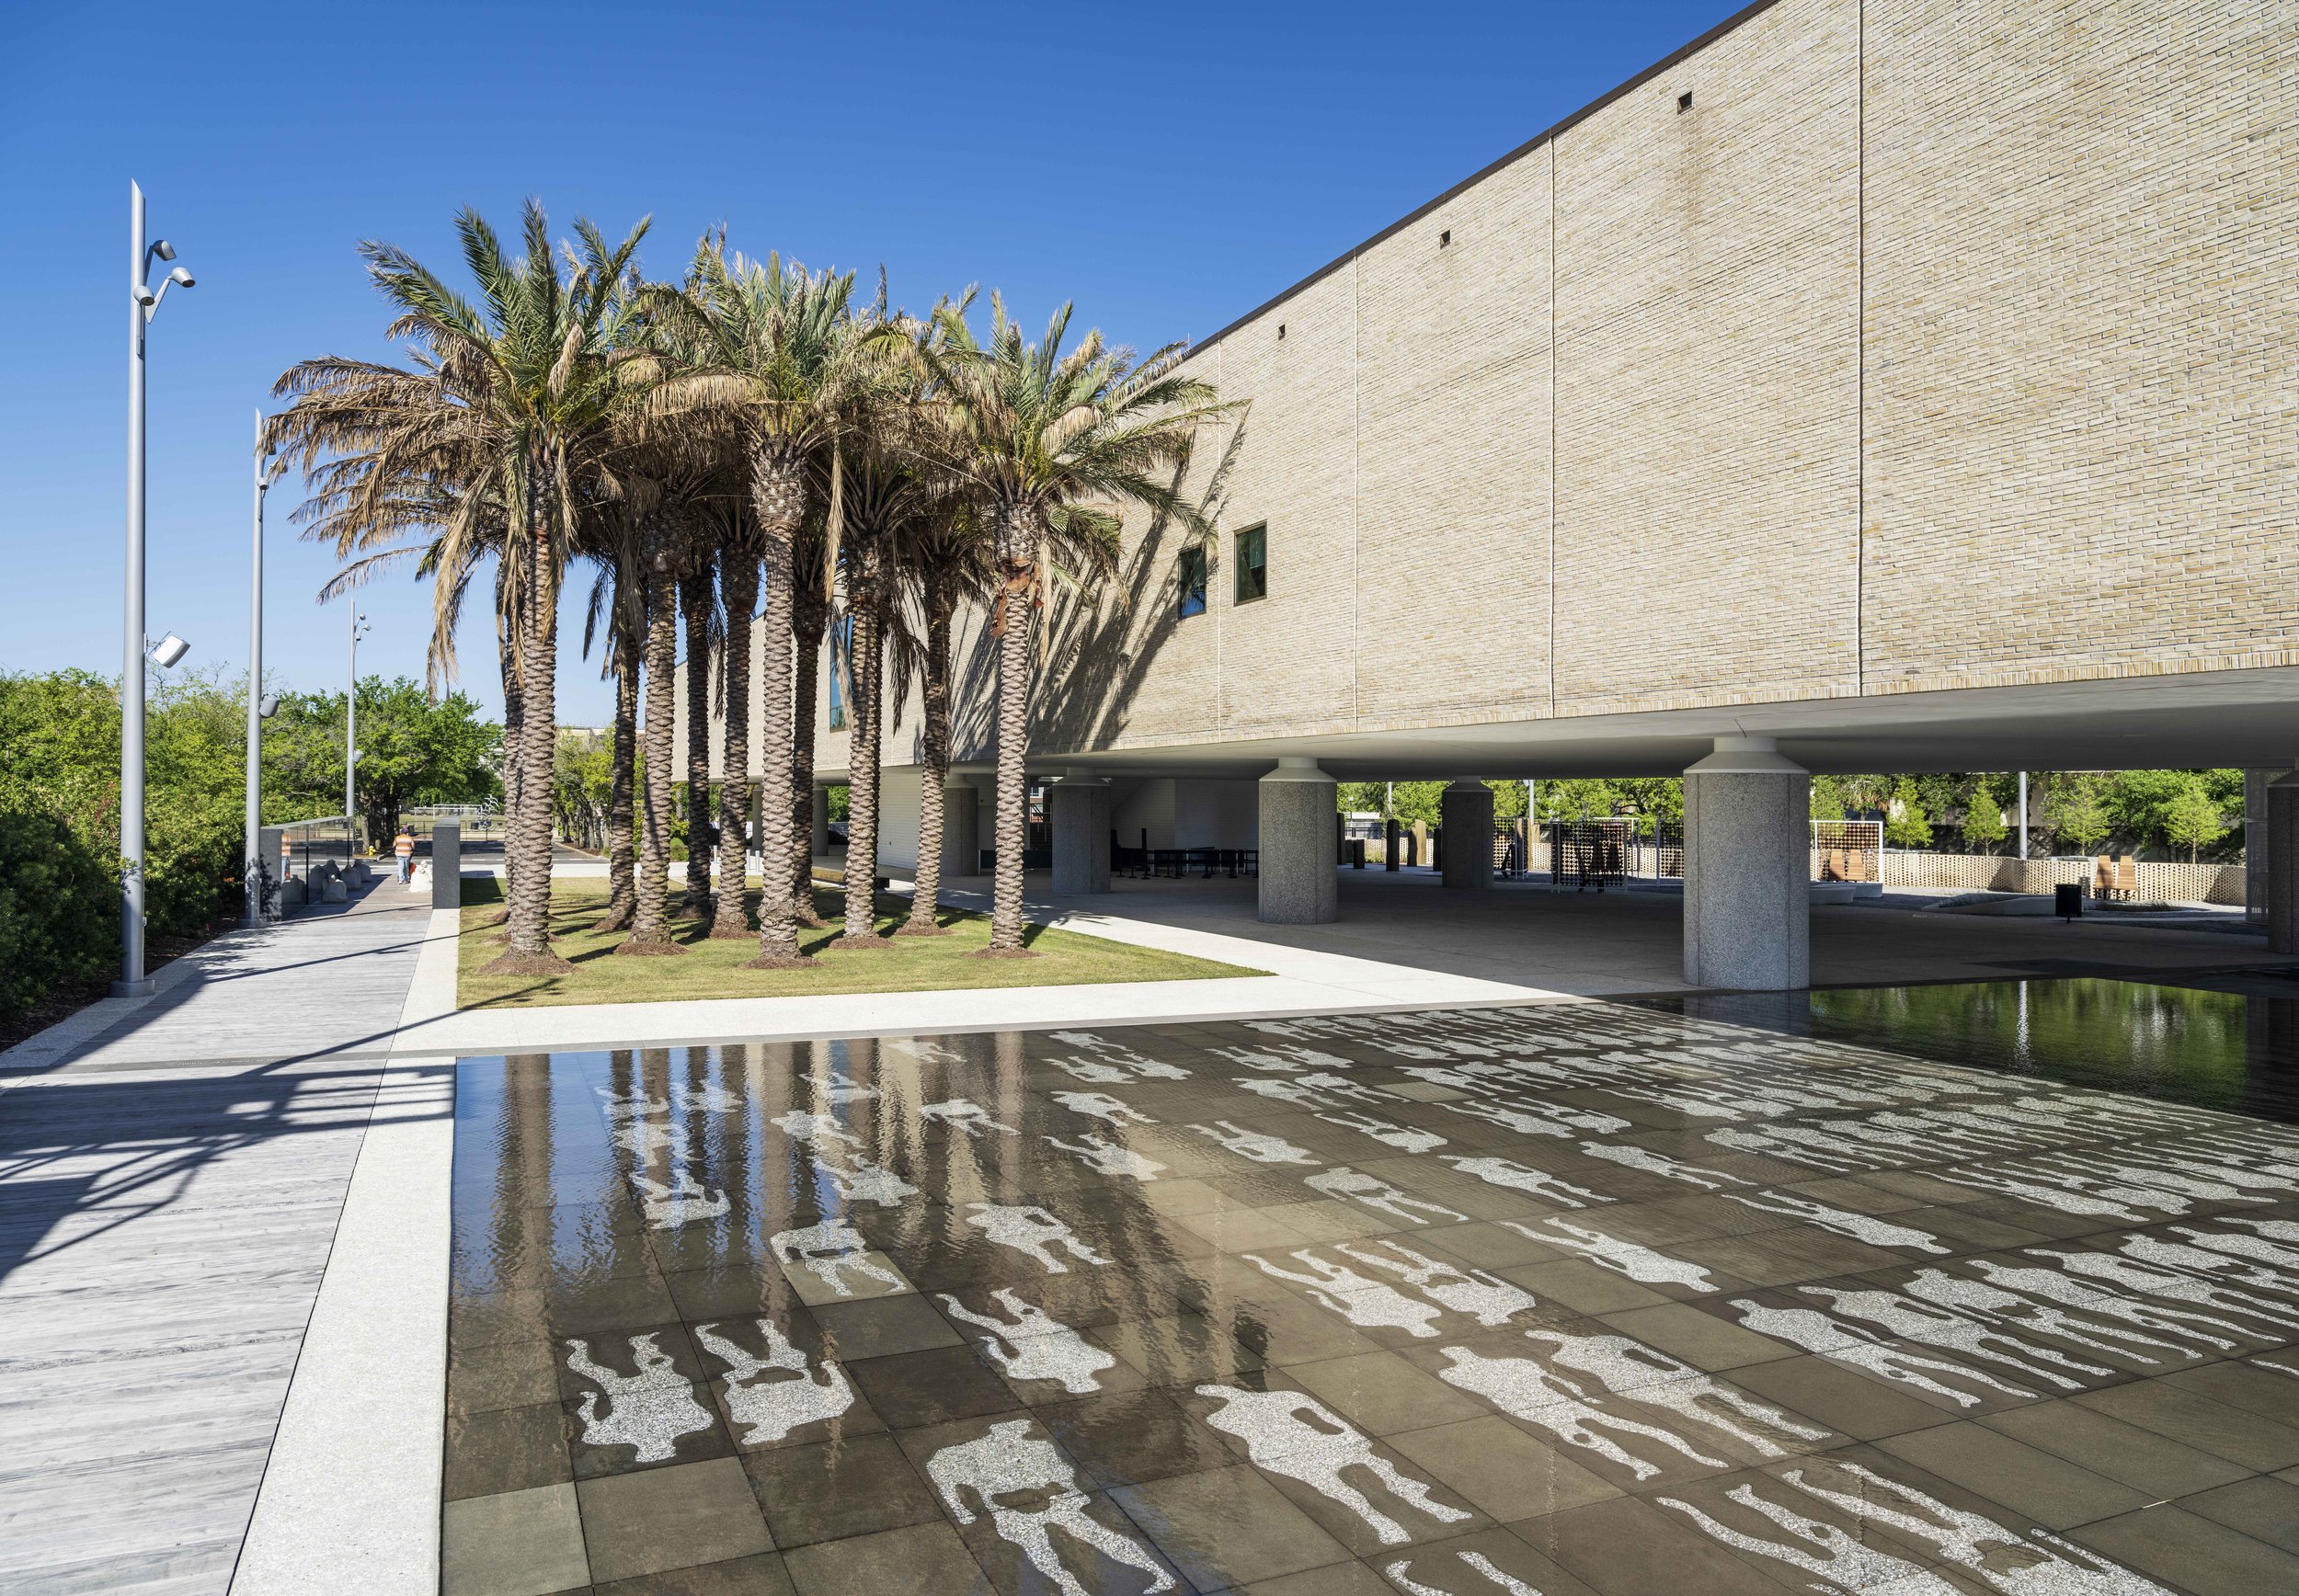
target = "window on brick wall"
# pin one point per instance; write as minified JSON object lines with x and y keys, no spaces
{"x":1253,"y":564}
{"x":1193,"y":574}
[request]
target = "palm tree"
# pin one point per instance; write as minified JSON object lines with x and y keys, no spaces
{"x":880,"y":492}
{"x":777,"y":350}
{"x":661,"y":555}
{"x":1055,"y":444}
{"x":697,"y":604}
{"x":811,"y":578}
{"x":618,"y":599}
{"x":942,"y":560}
{"x":726,"y":513}
{"x":514,"y":393}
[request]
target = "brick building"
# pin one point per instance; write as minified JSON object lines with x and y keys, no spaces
{"x":1891,"y":383}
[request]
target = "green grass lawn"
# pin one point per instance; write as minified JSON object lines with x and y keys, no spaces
{"x":710,"y":969}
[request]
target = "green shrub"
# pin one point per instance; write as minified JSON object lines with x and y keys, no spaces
{"x":58,"y":898}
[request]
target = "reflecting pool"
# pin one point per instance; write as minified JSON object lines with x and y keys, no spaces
{"x":2227,"y":1041}
{"x":1586,"y":1297}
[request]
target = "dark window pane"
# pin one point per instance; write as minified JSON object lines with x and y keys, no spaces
{"x":1252,"y":563}
{"x":1193,"y":582}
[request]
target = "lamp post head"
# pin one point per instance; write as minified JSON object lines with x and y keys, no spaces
{"x":182,"y":275}
{"x":163,"y":249}
{"x":168,"y":650}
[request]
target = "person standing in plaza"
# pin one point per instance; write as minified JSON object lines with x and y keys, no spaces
{"x":403,"y":848}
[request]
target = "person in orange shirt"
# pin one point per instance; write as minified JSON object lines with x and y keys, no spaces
{"x":402,"y":847}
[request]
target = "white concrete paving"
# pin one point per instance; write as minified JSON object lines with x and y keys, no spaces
{"x":1300,"y":981}
{"x":350,"y":1501}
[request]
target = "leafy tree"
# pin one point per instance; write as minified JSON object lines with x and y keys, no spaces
{"x":2138,"y":803}
{"x":1574,"y":797}
{"x":1419,"y":801}
{"x":1360,"y":797}
{"x":1865,"y":794}
{"x":582,"y":787}
{"x":2076,"y":810}
{"x":1907,"y":824}
{"x":412,"y":751}
{"x":1984,"y":826}
{"x":2191,"y":820}
{"x":1650,"y":798}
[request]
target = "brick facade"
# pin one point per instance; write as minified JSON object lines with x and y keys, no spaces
{"x":1935,"y":344}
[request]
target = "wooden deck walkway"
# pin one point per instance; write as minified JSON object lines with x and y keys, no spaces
{"x":170,"y":1179}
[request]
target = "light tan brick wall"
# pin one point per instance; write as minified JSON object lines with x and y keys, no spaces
{"x":1452,"y":457}
{"x":1939,"y":344}
{"x":2083,"y":373}
{"x":1707,"y":376}
{"x":1288,"y":659}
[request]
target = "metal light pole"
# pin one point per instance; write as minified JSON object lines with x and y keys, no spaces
{"x":142,"y":305}
{"x":2023,"y":814}
{"x":360,"y":628}
{"x":252,"y":913}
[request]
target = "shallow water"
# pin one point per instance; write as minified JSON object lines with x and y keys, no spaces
{"x":1589,"y":1298}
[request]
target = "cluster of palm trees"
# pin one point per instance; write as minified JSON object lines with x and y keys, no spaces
{"x":749,"y":441}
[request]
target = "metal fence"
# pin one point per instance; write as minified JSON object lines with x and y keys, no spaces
{"x":305,"y":844}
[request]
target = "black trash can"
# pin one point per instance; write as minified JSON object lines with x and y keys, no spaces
{"x":2067,"y":900}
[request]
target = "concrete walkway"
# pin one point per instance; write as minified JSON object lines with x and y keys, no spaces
{"x":1618,"y":943}
{"x":171,"y":1177}
{"x":331,"y":980}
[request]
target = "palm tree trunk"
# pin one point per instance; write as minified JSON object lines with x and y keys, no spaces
{"x":694,"y":598}
{"x":862,"y":758}
{"x":514,"y":747}
{"x":1017,"y":567}
{"x":738,"y":575}
{"x":622,"y":838}
{"x":650,"y":927}
{"x":778,"y":491}
{"x":927,"y":890}
{"x":527,"y":848}
{"x":811,"y":613}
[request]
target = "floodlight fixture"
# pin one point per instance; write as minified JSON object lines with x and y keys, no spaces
{"x":168,"y":650}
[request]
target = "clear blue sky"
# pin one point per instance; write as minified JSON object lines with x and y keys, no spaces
{"x":1166,"y":168}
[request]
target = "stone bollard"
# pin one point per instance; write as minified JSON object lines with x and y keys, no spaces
{"x":446,"y":866}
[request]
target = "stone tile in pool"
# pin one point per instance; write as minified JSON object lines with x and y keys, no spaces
{"x":1582,"y":1298}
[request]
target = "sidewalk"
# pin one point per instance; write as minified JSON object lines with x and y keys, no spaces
{"x":172,"y":1171}
{"x":329,"y":980}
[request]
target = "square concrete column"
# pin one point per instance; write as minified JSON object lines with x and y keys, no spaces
{"x":1748,"y":868}
{"x":1299,"y":887}
{"x":961,"y":831}
{"x":1079,"y":808}
{"x":272,"y":848}
{"x":1466,"y":810}
{"x":446,"y":865}
{"x":2256,"y":852}
{"x":819,"y":807}
{"x":2283,"y":855}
